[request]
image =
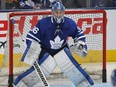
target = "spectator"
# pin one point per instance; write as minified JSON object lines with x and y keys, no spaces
{"x":12,"y":4}
{"x":74,"y":3}
{"x":45,"y":4}
{"x":34,"y":4}
{"x":98,"y":3}
{"x":0,"y":4}
{"x":26,"y":4}
{"x":113,"y":3}
{"x":108,"y":3}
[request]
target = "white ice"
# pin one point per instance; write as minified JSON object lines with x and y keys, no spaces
{"x":65,"y":82}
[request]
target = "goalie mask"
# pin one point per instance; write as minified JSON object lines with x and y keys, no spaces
{"x":58,"y":12}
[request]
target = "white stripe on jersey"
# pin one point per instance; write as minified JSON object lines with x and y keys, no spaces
{"x":52,"y":19}
{"x":80,"y":37}
{"x":81,"y":32}
{"x":30,"y":39}
{"x":34,"y":37}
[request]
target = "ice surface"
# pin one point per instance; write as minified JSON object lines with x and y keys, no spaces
{"x":64,"y":82}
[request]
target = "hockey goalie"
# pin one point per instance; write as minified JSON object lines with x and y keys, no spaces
{"x":47,"y":44}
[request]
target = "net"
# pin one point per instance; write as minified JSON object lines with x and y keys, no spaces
{"x":93,"y":23}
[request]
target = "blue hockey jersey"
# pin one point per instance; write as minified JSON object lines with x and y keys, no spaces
{"x":52,"y":36}
{"x":43,"y":4}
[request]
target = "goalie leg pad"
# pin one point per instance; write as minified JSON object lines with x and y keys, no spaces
{"x":71,"y":68}
{"x":30,"y":77}
{"x":20,"y":84}
{"x":47,"y":64}
{"x":31,"y":53}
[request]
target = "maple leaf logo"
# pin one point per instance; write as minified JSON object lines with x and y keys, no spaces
{"x":57,"y":43}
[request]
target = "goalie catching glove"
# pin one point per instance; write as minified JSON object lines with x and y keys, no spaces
{"x":79,"y":48}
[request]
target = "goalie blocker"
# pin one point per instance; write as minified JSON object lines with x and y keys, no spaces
{"x":64,"y":60}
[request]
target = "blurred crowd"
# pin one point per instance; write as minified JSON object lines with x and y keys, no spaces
{"x":45,"y":4}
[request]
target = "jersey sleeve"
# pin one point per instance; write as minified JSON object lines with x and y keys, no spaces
{"x":78,"y":33}
{"x":34,"y":34}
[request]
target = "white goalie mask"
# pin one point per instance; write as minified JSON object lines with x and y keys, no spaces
{"x":58,"y":12}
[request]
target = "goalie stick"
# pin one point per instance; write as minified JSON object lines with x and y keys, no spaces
{"x":40,"y":74}
{"x":35,"y":64}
